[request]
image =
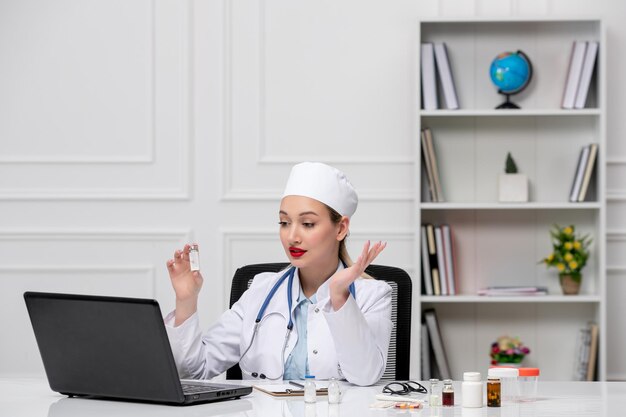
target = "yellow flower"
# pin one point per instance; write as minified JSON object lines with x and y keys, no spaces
{"x":577,"y":244}
{"x":568,"y":257}
{"x":568,"y":245}
{"x":550,"y":257}
{"x":560,"y":267}
{"x":568,"y":230}
{"x":573,"y":265}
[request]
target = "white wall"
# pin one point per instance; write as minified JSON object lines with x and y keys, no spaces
{"x":129,"y":128}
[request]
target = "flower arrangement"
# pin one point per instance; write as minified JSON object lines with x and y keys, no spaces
{"x":508,"y":350}
{"x":569,"y":251}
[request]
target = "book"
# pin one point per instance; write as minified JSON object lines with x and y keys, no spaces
{"x":425,"y":352}
{"x":441,"y":261}
{"x":593,"y":352}
{"x":433,"y":163}
{"x":288,"y":390}
{"x":589,"y":64}
{"x":445,"y":76}
{"x":426,"y":273}
{"x":579,"y":174}
{"x":432,"y":258}
{"x":429,"y":81}
{"x":573,"y":77}
{"x":447,"y":244}
{"x":513,"y":291}
{"x":580,"y":365}
{"x":593,"y":151}
{"x":436,"y":340}
{"x":429,"y":168}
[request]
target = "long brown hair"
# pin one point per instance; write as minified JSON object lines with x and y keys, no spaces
{"x":335,"y":217}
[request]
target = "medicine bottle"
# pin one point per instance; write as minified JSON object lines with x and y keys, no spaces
{"x":447,"y":393}
{"x":194,"y":257}
{"x":334,"y":394}
{"x":472,"y":390}
{"x":435,"y":392}
{"x":493,"y":391}
{"x":310,"y":391}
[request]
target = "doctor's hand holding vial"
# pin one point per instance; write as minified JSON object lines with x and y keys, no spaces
{"x":320,"y":316}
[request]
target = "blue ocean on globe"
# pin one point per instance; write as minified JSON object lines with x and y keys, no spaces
{"x":510,"y":72}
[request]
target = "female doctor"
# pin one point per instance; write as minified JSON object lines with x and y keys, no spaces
{"x":320,"y":316}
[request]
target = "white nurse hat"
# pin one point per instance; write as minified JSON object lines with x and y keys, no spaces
{"x":324,"y":184}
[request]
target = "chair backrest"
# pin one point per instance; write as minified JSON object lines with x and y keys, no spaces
{"x":400,"y":345}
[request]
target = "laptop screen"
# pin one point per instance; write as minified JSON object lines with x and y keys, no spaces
{"x":104,"y":346}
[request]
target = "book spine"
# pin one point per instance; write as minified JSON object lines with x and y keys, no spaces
{"x":447,"y":243}
{"x":445,"y":76}
{"x":433,"y":163}
{"x":437,"y":343}
{"x":593,"y":151}
{"x":441,"y":260}
{"x":429,"y":168}
{"x":429,"y":82}
{"x":580,"y":173}
{"x":426,"y":272}
{"x":573,"y":77}
{"x":587,"y":72}
{"x":432,"y":253}
{"x":425,"y":356}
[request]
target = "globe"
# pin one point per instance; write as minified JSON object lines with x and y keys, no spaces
{"x":511,"y":72}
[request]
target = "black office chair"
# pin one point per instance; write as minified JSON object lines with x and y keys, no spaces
{"x":400,"y":345}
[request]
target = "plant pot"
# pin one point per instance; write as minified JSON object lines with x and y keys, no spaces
{"x":570,"y":284}
{"x":513,"y":188}
{"x":509,"y":365}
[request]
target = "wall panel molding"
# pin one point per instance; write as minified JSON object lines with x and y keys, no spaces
{"x":167,"y":20}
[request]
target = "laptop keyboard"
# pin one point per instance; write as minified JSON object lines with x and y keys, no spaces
{"x":194,"y":389}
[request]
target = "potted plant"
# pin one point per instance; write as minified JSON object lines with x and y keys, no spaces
{"x":569,"y":256}
{"x":513,"y":185}
{"x":508,"y":351}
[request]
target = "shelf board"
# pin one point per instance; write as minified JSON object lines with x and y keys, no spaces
{"x":511,"y":206}
{"x":516,"y":299}
{"x":509,"y":113}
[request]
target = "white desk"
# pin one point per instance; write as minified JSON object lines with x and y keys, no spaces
{"x":33,"y":398}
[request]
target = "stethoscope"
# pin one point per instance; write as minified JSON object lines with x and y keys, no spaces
{"x":289,"y":274}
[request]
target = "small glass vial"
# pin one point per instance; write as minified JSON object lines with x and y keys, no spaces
{"x":493,"y":391}
{"x":447,"y":393}
{"x":310,"y":391}
{"x":194,"y":257}
{"x":334,"y":393}
{"x":435,"y":393}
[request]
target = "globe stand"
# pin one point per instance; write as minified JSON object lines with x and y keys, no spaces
{"x":508,"y":104}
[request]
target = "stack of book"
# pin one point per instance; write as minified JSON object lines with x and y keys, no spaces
{"x":584,"y":171}
{"x":430,"y":170}
{"x":586,"y":353}
{"x":437,"y":260}
{"x":581,"y":68}
{"x":436,"y":65}
{"x":433,"y":353}
{"x":513,"y":291}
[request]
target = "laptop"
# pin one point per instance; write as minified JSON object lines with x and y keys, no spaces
{"x":113,"y":347}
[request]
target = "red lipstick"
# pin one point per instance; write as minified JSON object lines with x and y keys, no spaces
{"x":296,"y":252}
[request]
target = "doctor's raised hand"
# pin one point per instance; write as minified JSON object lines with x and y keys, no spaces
{"x":340,"y":282}
{"x":186,"y":283}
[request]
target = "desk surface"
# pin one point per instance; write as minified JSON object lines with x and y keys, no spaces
{"x":33,"y":398}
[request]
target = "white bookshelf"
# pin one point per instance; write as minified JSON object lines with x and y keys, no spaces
{"x":502,"y":243}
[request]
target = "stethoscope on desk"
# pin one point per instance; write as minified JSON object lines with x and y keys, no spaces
{"x":289,"y":274}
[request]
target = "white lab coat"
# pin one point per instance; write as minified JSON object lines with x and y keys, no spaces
{"x":350,"y":343}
